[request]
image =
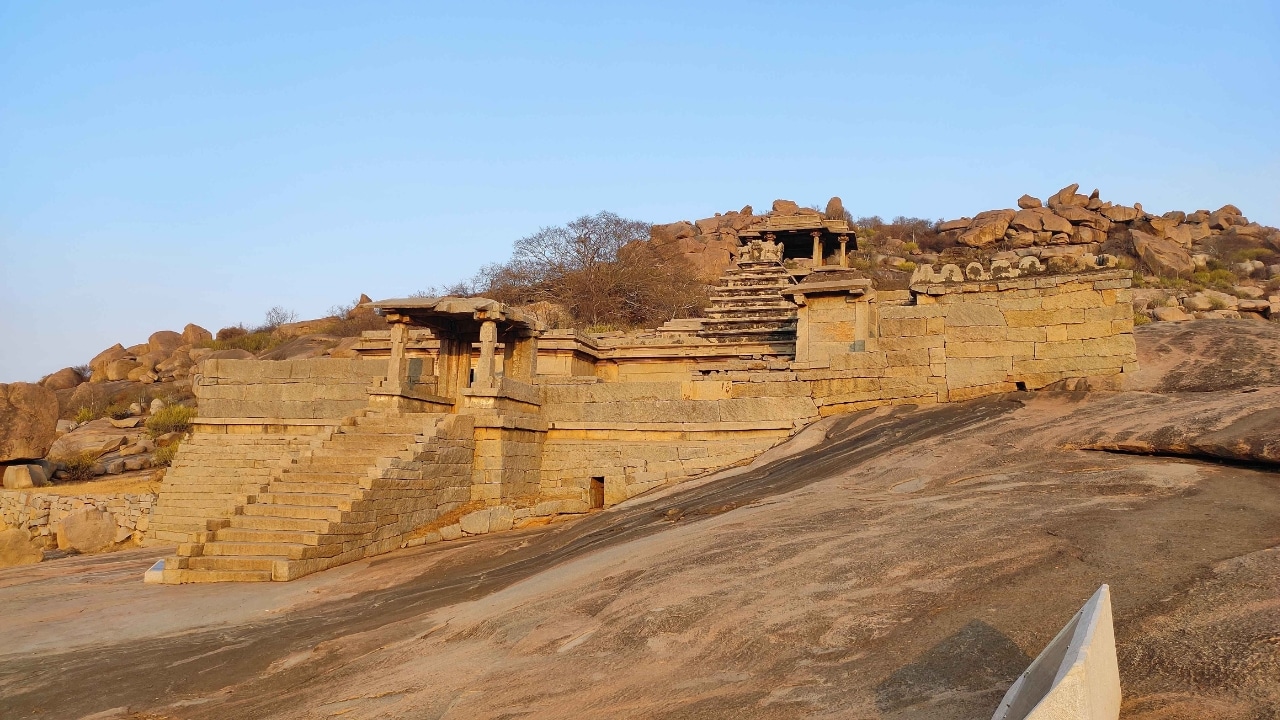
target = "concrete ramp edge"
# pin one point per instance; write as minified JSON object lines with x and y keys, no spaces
{"x":1076,"y":677}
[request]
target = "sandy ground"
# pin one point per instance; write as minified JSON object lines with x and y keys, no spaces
{"x":906,"y":565}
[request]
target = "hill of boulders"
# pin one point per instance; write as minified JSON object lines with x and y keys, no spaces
{"x":1202,"y":263}
{"x":128,"y":407}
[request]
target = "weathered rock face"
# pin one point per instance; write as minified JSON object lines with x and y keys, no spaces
{"x":986,"y":228}
{"x":87,"y":531}
{"x":1026,"y":202}
{"x":64,"y":379}
{"x":16,"y":548}
{"x":785,"y":207}
{"x":1163,"y":256}
{"x":835,"y":209}
{"x":21,"y":477}
{"x":194,"y":334}
{"x":1068,"y":197}
{"x":164,"y":342}
{"x":28,"y":421}
{"x":118,"y":369}
{"x":100,"y":361}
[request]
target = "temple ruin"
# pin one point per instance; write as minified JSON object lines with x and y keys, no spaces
{"x":467,"y":416}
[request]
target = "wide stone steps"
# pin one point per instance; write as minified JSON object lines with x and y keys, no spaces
{"x":291,"y":551}
{"x":747,"y":304}
{"x":292,"y":537}
{"x":310,"y":512}
{"x":208,"y":576}
{"x":275,"y":522}
{"x":235,"y":563}
{"x":323,"y":476}
{"x":366,"y":445}
{"x":287,"y":485}
{"x":750,"y":313}
{"x":332,"y":500}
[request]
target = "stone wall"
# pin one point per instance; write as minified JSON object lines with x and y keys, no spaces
{"x":959,"y":340}
{"x":42,"y":514}
{"x":315,"y":388}
{"x":637,"y":435}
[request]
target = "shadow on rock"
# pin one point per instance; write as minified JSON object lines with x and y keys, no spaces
{"x":976,"y":659}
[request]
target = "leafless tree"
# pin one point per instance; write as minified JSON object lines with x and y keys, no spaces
{"x":602,"y":269}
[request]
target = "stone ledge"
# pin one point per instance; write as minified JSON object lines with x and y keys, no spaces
{"x":787,"y":424}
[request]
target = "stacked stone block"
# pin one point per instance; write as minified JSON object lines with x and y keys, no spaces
{"x":314,"y":388}
{"x":41,"y":513}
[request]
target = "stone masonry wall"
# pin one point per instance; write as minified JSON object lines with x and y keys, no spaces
{"x":42,"y":513}
{"x":637,"y":435}
{"x":965,"y":340}
{"x":325,"y":388}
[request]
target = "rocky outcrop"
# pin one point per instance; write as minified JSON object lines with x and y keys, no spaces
{"x":28,"y":421}
{"x":1163,"y":256}
{"x":16,"y":548}
{"x":64,"y":379}
{"x":986,"y":228}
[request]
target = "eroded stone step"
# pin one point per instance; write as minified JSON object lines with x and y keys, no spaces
{"x":287,"y":485}
{"x":276,"y":522}
{"x":334,"y":500}
{"x":174,"y":577}
{"x":234,"y":563}
{"x":313,"y":512}
{"x":292,"y":551}
{"x":246,"y":535}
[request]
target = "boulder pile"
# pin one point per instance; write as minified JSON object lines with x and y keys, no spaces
{"x":1078,"y":224}
{"x":710,"y":244}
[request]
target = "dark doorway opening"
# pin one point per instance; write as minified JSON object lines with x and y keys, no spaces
{"x":597,"y":493}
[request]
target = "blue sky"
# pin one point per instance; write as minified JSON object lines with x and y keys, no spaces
{"x":166,"y":163}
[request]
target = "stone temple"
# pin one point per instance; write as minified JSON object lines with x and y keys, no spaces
{"x":466,"y":416}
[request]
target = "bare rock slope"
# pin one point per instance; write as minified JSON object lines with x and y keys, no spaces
{"x":900,"y":563}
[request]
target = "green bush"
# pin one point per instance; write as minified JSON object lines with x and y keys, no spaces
{"x":1218,"y":279}
{"x":85,"y":414}
{"x":173,"y":418}
{"x":1140,"y":319}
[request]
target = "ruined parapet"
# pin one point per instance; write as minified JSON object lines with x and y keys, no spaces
{"x":1027,"y":266}
{"x":1076,"y":677}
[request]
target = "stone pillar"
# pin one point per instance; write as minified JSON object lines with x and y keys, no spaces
{"x":844,"y":258}
{"x":817,"y":248}
{"x":398,"y":366}
{"x":488,"y":345}
{"x":802,"y":328}
{"x":522,"y":358}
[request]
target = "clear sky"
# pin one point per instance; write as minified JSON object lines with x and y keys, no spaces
{"x":166,"y":163}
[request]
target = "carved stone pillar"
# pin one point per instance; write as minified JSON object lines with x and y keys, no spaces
{"x":817,"y":248}
{"x":844,"y":258}
{"x":488,"y":344}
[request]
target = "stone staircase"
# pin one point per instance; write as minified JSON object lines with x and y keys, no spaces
{"x":210,"y":475}
{"x":747,"y":305}
{"x":316,"y":513}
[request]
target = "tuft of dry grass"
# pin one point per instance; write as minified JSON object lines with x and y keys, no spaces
{"x":172,"y":418}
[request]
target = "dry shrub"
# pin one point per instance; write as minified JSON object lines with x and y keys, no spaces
{"x":163,"y":456}
{"x":173,"y":418}
{"x":77,"y":467}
